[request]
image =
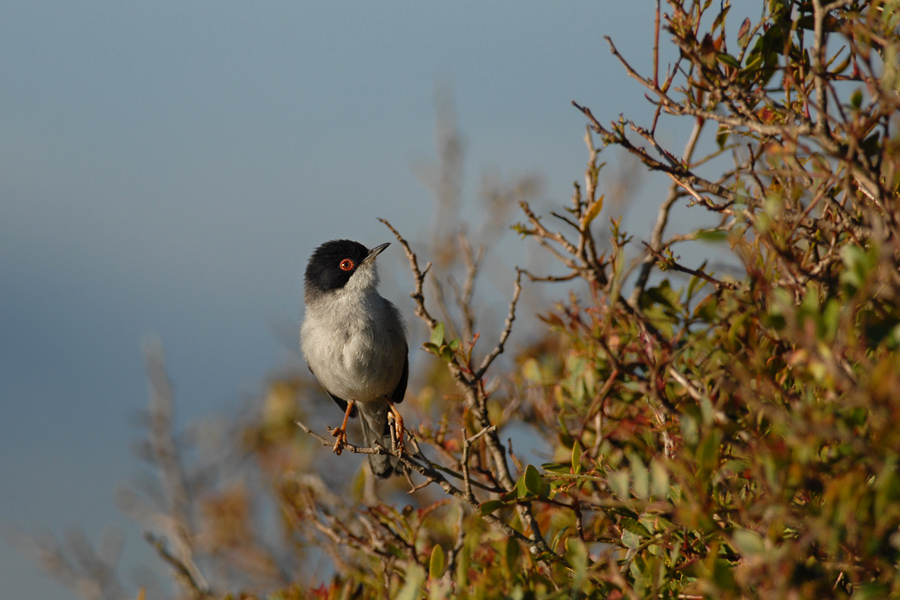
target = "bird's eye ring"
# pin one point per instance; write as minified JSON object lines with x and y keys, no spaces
{"x":346,"y":265}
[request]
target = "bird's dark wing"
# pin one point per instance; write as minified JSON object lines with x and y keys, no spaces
{"x":339,"y":401}
{"x":400,"y":390}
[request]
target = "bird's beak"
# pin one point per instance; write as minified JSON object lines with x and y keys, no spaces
{"x":375,"y":252}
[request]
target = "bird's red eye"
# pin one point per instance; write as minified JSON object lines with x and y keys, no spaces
{"x":346,"y":264}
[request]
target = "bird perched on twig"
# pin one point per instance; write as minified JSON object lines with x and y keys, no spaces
{"x":354,"y":342}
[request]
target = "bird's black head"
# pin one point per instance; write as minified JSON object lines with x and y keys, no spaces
{"x":333,"y":264}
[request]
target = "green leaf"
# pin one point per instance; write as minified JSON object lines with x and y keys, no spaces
{"x":415,"y":577}
{"x":512,"y":494}
{"x":747,"y":542}
{"x":591,"y":213}
{"x":659,"y":479}
{"x":707,"y":309}
{"x":490,"y":506}
{"x":720,"y":18}
{"x":695,"y":283}
{"x":722,"y":137}
{"x":436,"y":564}
{"x":531,"y":370}
{"x":554,"y":543}
{"x":576,"y":457}
{"x":723,"y":574}
{"x":463,"y":559}
{"x":729,"y":60}
{"x":513,"y":552}
{"x":708,"y":451}
{"x":630,"y":540}
{"x":831,"y":316}
{"x":533,"y":483}
{"x":635,"y":527}
{"x":712,"y":235}
{"x":871,"y":145}
{"x":664,"y":296}
{"x":557,"y":467}
{"x":521,"y":490}
{"x":858,"y":264}
{"x":640,"y":477}
{"x":437,"y":334}
{"x":744,"y":34}
{"x":706,"y":410}
{"x":577,"y":558}
{"x":690,"y":429}
{"x":874,"y":590}
{"x":618,"y":482}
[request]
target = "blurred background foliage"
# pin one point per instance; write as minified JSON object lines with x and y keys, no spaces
{"x":667,"y":431}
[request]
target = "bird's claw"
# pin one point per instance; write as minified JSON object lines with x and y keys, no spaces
{"x":341,"y":441}
{"x":397,"y":429}
{"x":341,"y":432}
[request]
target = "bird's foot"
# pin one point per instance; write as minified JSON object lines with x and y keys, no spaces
{"x":397,"y":429}
{"x":341,"y":432}
{"x":341,"y":441}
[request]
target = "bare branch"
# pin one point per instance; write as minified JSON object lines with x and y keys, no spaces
{"x":170,"y":469}
{"x":418,"y":277}
{"x":465,"y":457}
{"x":662,"y":218}
{"x":507,"y":328}
{"x":184,"y":573}
{"x":686,"y":178}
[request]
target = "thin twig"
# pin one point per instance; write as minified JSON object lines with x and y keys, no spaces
{"x":687,"y":178}
{"x":379,"y":449}
{"x":168,"y":461}
{"x":662,"y":218}
{"x":183,"y":572}
{"x":705,"y":277}
{"x":465,"y":457}
{"x":507,"y":328}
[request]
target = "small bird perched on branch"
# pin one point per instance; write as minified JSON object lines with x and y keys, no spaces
{"x":354,"y":342}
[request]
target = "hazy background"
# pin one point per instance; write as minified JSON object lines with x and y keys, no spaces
{"x":167,"y":168}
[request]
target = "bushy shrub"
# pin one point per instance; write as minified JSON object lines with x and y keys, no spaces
{"x":708,"y":435}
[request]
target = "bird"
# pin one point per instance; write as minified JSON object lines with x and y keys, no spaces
{"x":354,"y":343}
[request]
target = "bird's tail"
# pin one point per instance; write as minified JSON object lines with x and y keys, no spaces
{"x":375,"y":428}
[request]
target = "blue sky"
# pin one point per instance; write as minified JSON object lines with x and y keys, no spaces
{"x":167,"y":168}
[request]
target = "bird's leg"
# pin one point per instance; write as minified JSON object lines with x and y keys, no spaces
{"x":341,"y":432}
{"x":397,"y":430}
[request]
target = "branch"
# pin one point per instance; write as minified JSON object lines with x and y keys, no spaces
{"x":705,"y":277}
{"x":378,"y":449}
{"x":433,"y":474}
{"x":818,"y":55}
{"x":419,"y":277}
{"x":185,"y":573}
{"x":507,"y":328}
{"x":662,"y":218}
{"x":465,"y":457}
{"x":686,"y":178}
{"x":170,"y":469}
